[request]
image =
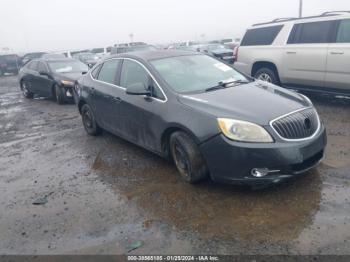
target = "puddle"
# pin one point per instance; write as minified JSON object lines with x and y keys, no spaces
{"x":211,"y":210}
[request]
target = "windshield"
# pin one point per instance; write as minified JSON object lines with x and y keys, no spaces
{"x":33,"y":55}
{"x":195,"y":73}
{"x":67,"y":66}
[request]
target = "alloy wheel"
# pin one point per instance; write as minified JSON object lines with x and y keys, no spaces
{"x":265,"y":77}
{"x":181,"y":159}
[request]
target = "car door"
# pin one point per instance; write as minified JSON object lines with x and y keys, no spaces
{"x":305,"y":56}
{"x":31,"y":70}
{"x":43,"y":80}
{"x":338,"y":60}
{"x":106,"y":95}
{"x":139,"y":120}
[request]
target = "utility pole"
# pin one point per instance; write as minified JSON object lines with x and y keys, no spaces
{"x":300,"y":8}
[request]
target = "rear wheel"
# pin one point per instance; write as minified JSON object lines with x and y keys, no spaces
{"x":60,"y":96}
{"x":187,"y":157}
{"x":26,"y":93}
{"x":267,"y":75}
{"x":89,"y":121}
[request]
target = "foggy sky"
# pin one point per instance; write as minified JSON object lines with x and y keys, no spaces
{"x":30,"y":25}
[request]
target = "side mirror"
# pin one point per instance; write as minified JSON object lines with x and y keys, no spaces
{"x":83,"y":73}
{"x":137,"y":89}
{"x":43,"y":73}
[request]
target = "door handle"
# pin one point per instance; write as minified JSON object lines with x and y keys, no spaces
{"x":337,"y":53}
{"x":291,"y":52}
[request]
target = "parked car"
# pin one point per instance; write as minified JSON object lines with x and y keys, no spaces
{"x":126,"y":49}
{"x":27,"y":57}
{"x":219,"y":51}
{"x":206,"y":116}
{"x":51,"y":78}
{"x":311,"y":53}
{"x":9,"y":64}
{"x":89,"y":59}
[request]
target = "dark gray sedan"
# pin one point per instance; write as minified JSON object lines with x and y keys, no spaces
{"x":51,"y":78}
{"x":210,"y":119}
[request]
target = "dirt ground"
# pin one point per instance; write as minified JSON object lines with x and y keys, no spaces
{"x":105,"y":195}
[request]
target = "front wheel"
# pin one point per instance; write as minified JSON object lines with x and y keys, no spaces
{"x":267,"y":75}
{"x":89,"y":121}
{"x":60,"y":96}
{"x":187,"y":157}
{"x":25,"y":91}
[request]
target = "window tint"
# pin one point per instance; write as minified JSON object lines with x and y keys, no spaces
{"x":33,"y":65}
{"x":261,"y":36}
{"x":108,"y":71}
{"x":94,"y":72}
{"x":344,"y":32}
{"x":311,"y":33}
{"x":42,"y":67}
{"x":133,"y":73}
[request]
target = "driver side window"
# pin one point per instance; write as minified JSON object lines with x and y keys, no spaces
{"x":132,"y":73}
{"x":42,"y":67}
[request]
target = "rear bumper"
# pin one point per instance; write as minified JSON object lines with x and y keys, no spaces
{"x":232,"y":162}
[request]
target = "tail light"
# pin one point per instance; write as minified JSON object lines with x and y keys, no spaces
{"x":236,"y":53}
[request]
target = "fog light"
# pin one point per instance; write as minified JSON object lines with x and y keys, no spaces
{"x":261,"y":172}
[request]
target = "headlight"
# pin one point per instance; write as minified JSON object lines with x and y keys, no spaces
{"x":244,"y":131}
{"x":67,"y":83}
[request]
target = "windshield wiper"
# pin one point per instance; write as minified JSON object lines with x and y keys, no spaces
{"x":226,"y":84}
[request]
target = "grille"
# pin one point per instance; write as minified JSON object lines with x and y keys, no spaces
{"x":299,"y":125}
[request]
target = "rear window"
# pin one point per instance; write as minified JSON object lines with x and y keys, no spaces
{"x":261,"y":36}
{"x":312,"y":33}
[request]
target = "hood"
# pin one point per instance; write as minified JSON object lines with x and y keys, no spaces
{"x":256,"y":102}
{"x":221,"y":51}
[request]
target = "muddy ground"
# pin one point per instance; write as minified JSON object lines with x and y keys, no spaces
{"x":104,"y":194}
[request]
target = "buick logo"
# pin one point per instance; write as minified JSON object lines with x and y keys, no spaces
{"x":307,"y":123}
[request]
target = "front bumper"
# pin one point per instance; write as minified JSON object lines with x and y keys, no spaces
{"x":232,"y":162}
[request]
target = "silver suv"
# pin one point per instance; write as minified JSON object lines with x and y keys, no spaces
{"x":311,"y":53}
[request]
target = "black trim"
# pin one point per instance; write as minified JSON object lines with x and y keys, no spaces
{"x":301,"y":18}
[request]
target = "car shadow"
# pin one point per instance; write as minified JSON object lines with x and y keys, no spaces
{"x":153,"y":185}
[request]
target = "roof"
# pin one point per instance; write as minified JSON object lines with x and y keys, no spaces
{"x":151,"y":55}
{"x":291,"y":19}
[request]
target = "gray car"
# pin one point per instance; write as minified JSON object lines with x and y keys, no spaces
{"x":207,"y":117}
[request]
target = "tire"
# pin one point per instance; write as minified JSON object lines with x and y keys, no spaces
{"x":267,"y":75}
{"x":187,"y":157}
{"x":89,"y":121}
{"x":26,"y":93}
{"x":60,"y":96}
